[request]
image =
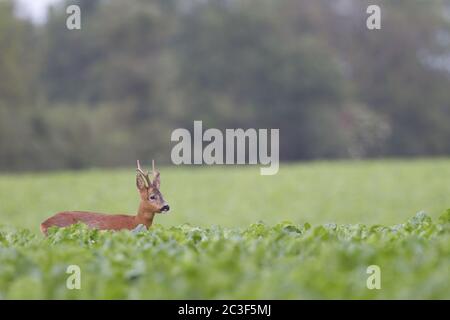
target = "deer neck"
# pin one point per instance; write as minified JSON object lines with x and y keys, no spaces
{"x":144,"y":216}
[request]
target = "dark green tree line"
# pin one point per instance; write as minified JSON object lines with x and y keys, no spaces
{"x":114,"y":90}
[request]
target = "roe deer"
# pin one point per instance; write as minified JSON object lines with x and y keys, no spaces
{"x":152,"y":202}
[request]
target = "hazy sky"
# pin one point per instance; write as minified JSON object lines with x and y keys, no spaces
{"x":36,"y":9}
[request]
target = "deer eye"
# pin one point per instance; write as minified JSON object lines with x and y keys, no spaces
{"x":152,"y":197}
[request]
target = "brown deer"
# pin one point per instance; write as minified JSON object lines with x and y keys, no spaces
{"x":152,"y":202}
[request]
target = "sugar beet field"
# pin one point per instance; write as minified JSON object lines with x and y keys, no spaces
{"x":315,"y":230}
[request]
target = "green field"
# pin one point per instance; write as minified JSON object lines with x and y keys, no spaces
{"x":228,"y":234}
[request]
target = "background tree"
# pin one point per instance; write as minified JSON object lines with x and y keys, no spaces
{"x":114,"y":90}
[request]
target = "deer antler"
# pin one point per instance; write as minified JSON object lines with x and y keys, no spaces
{"x":143,"y":174}
{"x":156,"y":180}
{"x":155,"y":172}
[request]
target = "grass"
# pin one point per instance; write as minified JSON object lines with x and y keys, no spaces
{"x":370,"y":192}
{"x":309,"y":232}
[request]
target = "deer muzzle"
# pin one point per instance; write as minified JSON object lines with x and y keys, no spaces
{"x":165,"y":208}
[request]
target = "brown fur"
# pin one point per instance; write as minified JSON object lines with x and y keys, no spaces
{"x":152,"y":202}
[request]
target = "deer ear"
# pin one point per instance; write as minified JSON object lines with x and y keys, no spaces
{"x":156,"y":180}
{"x":140,"y":182}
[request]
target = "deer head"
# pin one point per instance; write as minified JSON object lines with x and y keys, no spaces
{"x":152,"y":200}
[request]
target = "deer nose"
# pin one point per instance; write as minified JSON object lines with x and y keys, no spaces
{"x":165,"y":208}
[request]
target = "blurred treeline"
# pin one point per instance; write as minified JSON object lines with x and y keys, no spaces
{"x":114,"y":90}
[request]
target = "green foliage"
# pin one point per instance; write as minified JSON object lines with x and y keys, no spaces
{"x":117,"y":88}
{"x":311,"y":231}
{"x":286,"y":260}
{"x":366,"y":192}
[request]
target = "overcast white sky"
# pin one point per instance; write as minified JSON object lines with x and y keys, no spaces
{"x":36,"y":9}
